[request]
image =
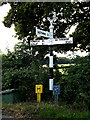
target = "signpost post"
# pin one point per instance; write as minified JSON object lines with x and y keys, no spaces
{"x":50,"y":41}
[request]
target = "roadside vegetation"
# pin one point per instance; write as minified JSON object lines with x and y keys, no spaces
{"x":74,"y":91}
{"x":44,"y":110}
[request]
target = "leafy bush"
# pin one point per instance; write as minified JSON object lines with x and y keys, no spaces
{"x":25,"y":79}
{"x":22,"y":69}
{"x":63,"y":60}
{"x":75,"y":86}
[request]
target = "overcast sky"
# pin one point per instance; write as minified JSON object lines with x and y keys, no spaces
{"x":6,"y":34}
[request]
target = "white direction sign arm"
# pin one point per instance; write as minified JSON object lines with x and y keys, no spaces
{"x":52,"y":41}
{"x":39,"y":42}
{"x":35,"y":42}
{"x":63,"y":41}
{"x":42,"y":33}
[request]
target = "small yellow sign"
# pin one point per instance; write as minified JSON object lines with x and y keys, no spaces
{"x":39,"y":88}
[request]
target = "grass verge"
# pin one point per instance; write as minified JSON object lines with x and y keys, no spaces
{"x":44,"y":110}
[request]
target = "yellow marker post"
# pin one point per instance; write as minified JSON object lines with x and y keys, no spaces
{"x":39,"y":90}
{"x":38,"y":97}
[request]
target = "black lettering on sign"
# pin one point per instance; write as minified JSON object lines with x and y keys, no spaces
{"x":38,"y":88}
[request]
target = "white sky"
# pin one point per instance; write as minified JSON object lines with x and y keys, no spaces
{"x":8,"y":41}
{"x":6,"y":34}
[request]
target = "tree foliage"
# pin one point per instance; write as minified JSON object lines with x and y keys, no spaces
{"x":26,"y":16}
{"x":82,"y":35}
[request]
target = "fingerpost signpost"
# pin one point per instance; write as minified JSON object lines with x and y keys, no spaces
{"x":50,"y":42}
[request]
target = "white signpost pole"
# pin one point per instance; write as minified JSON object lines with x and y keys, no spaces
{"x":51,"y":81}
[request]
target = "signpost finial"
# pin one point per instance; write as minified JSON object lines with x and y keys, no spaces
{"x":53,"y":17}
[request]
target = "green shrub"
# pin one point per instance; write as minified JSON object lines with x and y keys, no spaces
{"x":75,"y":86}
